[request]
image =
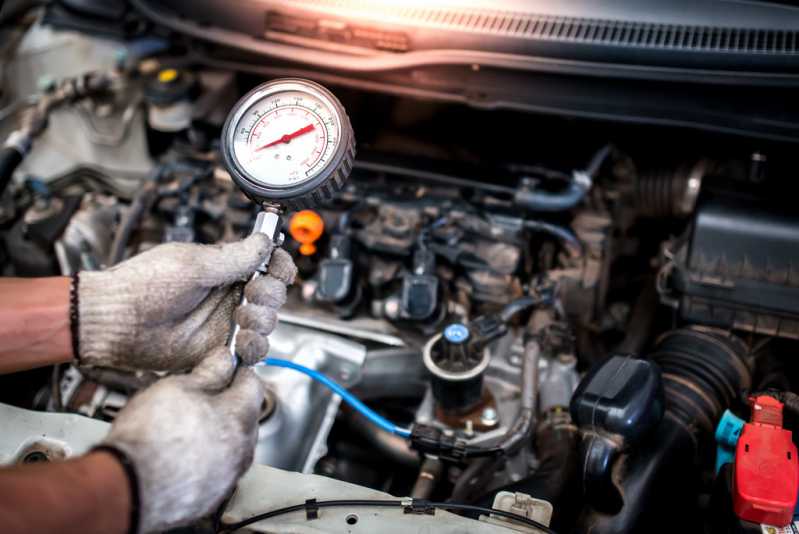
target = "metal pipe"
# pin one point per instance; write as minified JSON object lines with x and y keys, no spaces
{"x":428,"y":478}
{"x":521,"y":430}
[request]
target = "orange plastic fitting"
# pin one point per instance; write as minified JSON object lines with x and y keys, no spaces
{"x":306,"y":227}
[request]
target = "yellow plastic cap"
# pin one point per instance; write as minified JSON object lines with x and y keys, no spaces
{"x":306,"y":227}
{"x":167,"y":75}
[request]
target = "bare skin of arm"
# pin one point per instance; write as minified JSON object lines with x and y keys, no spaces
{"x":86,"y":495}
{"x":34,"y":323}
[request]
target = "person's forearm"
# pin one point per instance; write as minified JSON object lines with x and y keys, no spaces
{"x":34,"y":323}
{"x":86,"y":495}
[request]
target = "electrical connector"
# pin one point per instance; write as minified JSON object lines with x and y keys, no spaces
{"x":428,"y":439}
{"x":766,"y":475}
{"x":431,"y":440}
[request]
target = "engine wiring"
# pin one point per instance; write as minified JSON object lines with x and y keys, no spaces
{"x":411,"y":506}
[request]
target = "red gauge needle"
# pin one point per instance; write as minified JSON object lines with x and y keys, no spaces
{"x":288,"y":137}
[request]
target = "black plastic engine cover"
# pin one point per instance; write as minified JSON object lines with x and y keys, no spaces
{"x":615,"y":406}
{"x":623,"y":397}
{"x":741,"y":267}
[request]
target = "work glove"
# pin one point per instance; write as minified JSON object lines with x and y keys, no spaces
{"x":186,"y":440}
{"x":162,"y":309}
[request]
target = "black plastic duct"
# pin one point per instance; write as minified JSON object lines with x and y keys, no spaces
{"x":657,"y":482}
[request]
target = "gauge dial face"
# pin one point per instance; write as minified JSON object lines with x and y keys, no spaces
{"x":285,"y":138}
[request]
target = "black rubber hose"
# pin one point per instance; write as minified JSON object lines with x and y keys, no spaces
{"x":573,"y":194}
{"x":142,"y":203}
{"x":517,"y":306}
{"x":471,"y":483}
{"x":10,"y":158}
{"x":396,"y":372}
{"x":545,"y":201}
{"x":570,"y":242}
{"x":393,"y":447}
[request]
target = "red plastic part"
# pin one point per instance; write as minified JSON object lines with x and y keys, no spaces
{"x":766,"y":479}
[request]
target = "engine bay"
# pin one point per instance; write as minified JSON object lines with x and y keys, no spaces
{"x":560,"y":307}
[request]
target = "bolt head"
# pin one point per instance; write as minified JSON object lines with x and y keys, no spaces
{"x":489,"y":416}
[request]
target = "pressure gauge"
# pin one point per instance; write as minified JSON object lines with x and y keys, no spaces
{"x":288,"y":142}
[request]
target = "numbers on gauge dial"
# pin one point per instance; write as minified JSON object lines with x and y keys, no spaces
{"x":286,"y":138}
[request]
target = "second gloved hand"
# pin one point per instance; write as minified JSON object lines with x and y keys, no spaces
{"x":189,"y":438}
{"x":162,"y":309}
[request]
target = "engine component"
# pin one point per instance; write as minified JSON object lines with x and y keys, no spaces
{"x":616,"y":405}
{"x":529,"y":198}
{"x":766,"y":473}
{"x":670,"y":192}
{"x":169,"y":96}
{"x":738,"y":270}
{"x":727,"y":433}
{"x":524,"y":505}
{"x":456,"y":365}
{"x":419,"y":299}
{"x":394,"y":229}
{"x":306,"y":227}
{"x":702,"y":373}
{"x":556,"y":479}
{"x":558,"y":382}
{"x":35,"y":120}
{"x":336,"y":276}
{"x":295,"y":435}
{"x":31,"y":240}
{"x":428,"y":479}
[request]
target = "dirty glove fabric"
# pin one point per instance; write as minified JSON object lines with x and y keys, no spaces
{"x":162,"y":309}
{"x":189,"y":438}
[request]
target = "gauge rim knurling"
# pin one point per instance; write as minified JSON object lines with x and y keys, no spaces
{"x":322,"y":186}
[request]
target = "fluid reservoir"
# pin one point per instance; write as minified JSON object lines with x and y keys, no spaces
{"x":169,"y":96}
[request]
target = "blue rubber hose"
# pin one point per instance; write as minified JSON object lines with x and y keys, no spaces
{"x":348,"y":397}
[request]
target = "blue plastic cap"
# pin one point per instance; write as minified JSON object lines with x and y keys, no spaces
{"x":727,"y":434}
{"x":456,"y":333}
{"x":729,"y":429}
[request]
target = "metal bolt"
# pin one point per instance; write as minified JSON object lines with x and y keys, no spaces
{"x":469,"y":428}
{"x":489,"y":416}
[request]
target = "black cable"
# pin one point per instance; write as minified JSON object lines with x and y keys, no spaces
{"x":414,"y":505}
{"x":501,"y":513}
{"x":301,"y":507}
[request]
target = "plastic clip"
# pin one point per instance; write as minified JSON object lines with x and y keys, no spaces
{"x":311,"y":510}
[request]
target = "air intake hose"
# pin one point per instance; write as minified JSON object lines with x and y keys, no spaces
{"x":656,"y":481}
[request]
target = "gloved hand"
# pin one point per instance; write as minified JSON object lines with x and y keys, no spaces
{"x":162,"y":309}
{"x":189,"y":438}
